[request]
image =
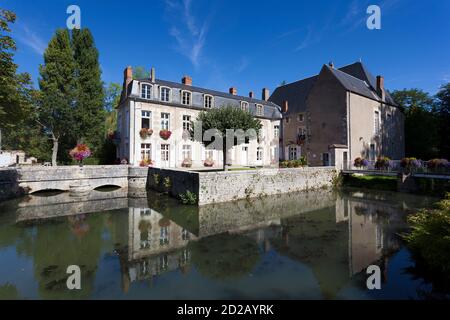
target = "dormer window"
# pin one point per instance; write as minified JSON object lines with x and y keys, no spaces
{"x":186,"y":98}
{"x":244,"y":105}
{"x":259,"y":110}
{"x":165,"y":94}
{"x":146,"y":91}
{"x":208,"y":101}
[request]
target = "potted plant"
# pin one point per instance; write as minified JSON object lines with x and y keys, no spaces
{"x":80,"y":152}
{"x":145,"y":133}
{"x":187,"y":163}
{"x":208,"y":163}
{"x":165,"y":134}
{"x":357,"y":162}
{"x":383,"y":163}
{"x":146,"y":163}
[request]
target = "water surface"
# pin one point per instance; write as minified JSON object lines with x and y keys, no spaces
{"x":313,"y":245}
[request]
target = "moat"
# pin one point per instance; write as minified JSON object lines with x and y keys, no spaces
{"x":309,"y":245}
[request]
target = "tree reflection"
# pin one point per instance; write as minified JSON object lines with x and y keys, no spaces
{"x":224,"y":256}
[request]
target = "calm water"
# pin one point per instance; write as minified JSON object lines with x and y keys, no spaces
{"x":300,"y":246}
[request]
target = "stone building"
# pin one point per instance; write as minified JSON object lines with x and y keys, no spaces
{"x":339,"y":115}
{"x":164,"y":105}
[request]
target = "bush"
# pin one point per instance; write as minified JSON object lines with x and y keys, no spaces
{"x":188,"y":198}
{"x":438,"y":164}
{"x":383,"y":163}
{"x":294,"y":163}
{"x":361,"y":163}
{"x":429,"y":239}
{"x":146,"y":163}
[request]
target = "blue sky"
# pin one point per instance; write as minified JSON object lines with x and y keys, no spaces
{"x":249,"y":44}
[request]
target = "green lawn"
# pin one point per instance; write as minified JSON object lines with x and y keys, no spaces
{"x":371,"y":182}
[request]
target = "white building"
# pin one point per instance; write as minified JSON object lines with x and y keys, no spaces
{"x":15,"y":158}
{"x":163,"y":105}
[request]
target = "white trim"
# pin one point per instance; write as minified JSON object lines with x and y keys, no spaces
{"x":160,"y":93}
{"x":259,"y":110}
{"x":141,"y":88}
{"x":190,"y":97}
{"x":246,"y":108}
{"x":204,"y":101}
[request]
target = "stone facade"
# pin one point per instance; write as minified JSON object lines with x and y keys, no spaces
{"x":218,"y":187}
{"x":158,"y":104}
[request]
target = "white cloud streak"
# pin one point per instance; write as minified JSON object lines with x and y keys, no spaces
{"x":30,"y":39}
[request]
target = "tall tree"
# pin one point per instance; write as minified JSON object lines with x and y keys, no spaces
{"x":57,"y":100}
{"x":15,"y":88}
{"x":140,"y":72}
{"x":421,"y":136}
{"x":112,"y":97}
{"x":443,"y":115}
{"x":221,"y":120}
{"x":89,"y":110}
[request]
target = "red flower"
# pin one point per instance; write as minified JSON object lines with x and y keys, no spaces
{"x":165,"y":134}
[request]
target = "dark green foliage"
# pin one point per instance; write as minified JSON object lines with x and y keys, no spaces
{"x":420,"y":123}
{"x":371,"y":182}
{"x":429,"y":240}
{"x":89,"y":110}
{"x":443,"y":115}
{"x":294,"y":163}
{"x":223,"y":119}
{"x":188,"y":198}
{"x":140,"y":72}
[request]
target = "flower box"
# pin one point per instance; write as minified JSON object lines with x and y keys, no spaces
{"x":208,"y":163}
{"x":146,"y":163}
{"x":187,"y":163}
{"x":165,"y":134}
{"x":145,"y":133}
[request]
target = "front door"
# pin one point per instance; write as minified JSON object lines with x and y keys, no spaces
{"x":165,"y":155}
{"x":326,"y":159}
{"x":244,"y":156}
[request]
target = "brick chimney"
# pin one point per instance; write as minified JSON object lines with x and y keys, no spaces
{"x":127,"y":79}
{"x":233,"y":91}
{"x":187,"y":80}
{"x":380,"y":87}
{"x":285,"y":107}
{"x":265,"y":94}
{"x":152,"y":75}
{"x":251,"y":94}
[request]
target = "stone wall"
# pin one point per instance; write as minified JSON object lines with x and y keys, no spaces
{"x":216,"y":187}
{"x":9,"y":186}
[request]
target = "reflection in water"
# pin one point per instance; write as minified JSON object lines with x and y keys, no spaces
{"x":304,"y":245}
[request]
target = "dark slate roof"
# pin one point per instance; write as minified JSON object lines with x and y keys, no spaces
{"x":358,"y":70}
{"x":295,"y":93}
{"x":208,"y":91}
{"x":354,"y":78}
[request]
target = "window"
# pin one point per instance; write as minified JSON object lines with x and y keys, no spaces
{"x":293,"y":153}
{"x":146,"y":151}
{"x":146,"y":119}
{"x":164,"y":236}
{"x":259,"y":154}
{"x":300,"y":118}
{"x":259,"y":110}
{"x":372,"y":152}
{"x":208,"y":100}
{"x":287,"y":119}
{"x":187,"y":152}
{"x":186,"y":98}
{"x":209,"y":154}
{"x":276,"y":131}
{"x":244,"y":106}
{"x":326,"y":159}
{"x":165,"y":121}
{"x":377,"y":123}
{"x":146,"y":91}
{"x":165,"y":94}
{"x":185,"y":235}
{"x":186,"y":122}
{"x":165,"y":152}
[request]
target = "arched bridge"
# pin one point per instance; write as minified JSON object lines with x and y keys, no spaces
{"x":34,"y":179}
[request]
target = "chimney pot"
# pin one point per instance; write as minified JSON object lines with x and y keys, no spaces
{"x":265,"y":94}
{"x":152,"y":75}
{"x":380,"y":87}
{"x":285,"y":107}
{"x":251,"y":94}
{"x":331,"y":64}
{"x":187,"y":80}
{"x":233,"y":91}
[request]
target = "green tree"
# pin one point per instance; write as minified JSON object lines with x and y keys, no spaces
{"x":220,"y":121}
{"x":15,"y":89}
{"x":89,"y":111}
{"x":57,"y":100}
{"x":421,"y":136}
{"x":140,"y":72}
{"x":112,"y":97}
{"x":443,"y":115}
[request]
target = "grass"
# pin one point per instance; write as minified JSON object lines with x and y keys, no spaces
{"x":371,"y":182}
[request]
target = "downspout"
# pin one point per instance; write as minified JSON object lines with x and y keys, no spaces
{"x":349,"y":133}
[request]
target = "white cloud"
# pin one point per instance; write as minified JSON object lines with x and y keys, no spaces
{"x":30,"y":39}
{"x":189,"y":34}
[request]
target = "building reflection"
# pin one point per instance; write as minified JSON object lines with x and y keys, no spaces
{"x":335,"y":235}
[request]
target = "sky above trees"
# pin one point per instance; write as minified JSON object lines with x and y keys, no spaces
{"x":249,"y":44}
